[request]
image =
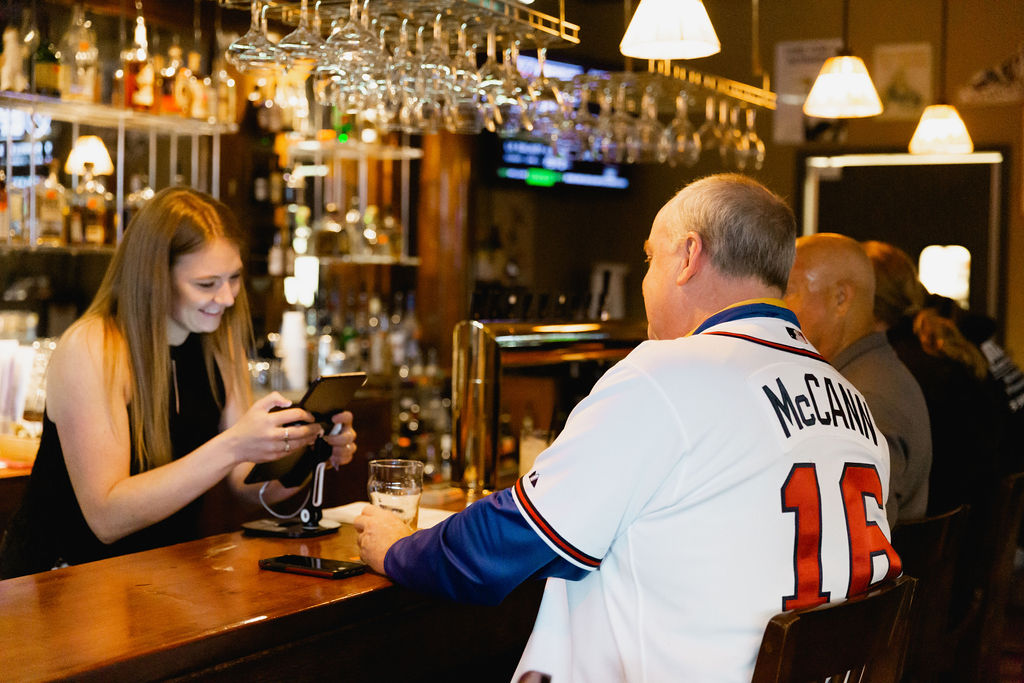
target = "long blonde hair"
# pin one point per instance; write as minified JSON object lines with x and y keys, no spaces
{"x":133,"y":303}
{"x":899,"y":293}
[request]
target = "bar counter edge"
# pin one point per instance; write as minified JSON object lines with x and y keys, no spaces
{"x":204,"y":610}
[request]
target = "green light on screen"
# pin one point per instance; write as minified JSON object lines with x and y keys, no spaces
{"x":542,"y":177}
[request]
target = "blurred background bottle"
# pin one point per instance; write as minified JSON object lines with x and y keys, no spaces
{"x":140,"y":193}
{"x":139,"y":79}
{"x":46,"y":66}
{"x":51,"y":209}
{"x":79,"y":59}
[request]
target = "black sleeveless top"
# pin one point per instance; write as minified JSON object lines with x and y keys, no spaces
{"x":49,"y":527}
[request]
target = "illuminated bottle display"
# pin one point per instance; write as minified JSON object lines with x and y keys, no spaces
{"x":46,"y":66}
{"x":80,"y":59}
{"x":89,"y":210}
{"x":139,"y":78}
{"x":51,"y":209}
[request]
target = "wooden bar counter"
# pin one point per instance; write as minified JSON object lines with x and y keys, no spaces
{"x":204,"y":610}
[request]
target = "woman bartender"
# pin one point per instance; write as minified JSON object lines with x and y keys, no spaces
{"x":148,"y":398}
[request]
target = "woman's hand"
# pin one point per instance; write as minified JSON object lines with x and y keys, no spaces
{"x":341,"y":439}
{"x":260,"y":435}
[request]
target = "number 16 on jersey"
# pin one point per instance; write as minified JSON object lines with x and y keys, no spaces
{"x":801,"y":495}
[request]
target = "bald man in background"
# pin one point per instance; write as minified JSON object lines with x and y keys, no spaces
{"x":832,"y":291}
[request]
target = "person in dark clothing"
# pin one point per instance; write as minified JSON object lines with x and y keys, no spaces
{"x":148,"y":398}
{"x":967,"y":417}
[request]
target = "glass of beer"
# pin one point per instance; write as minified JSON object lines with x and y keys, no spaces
{"x":397,"y":485}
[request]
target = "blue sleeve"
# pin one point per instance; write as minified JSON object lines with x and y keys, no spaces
{"x":478,"y":555}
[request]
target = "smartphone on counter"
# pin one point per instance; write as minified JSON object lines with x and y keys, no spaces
{"x":313,"y":566}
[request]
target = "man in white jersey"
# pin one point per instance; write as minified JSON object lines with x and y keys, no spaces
{"x":719,"y":474}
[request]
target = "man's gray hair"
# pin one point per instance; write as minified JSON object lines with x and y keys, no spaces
{"x":746,"y":228}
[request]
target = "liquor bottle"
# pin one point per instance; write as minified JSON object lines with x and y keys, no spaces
{"x":380,"y":357}
{"x":354,"y":228}
{"x":5,"y":218}
{"x":327,"y":233}
{"x":51,"y":209}
{"x":140,"y":194}
{"x":138,"y":68}
{"x":169,"y":98}
{"x":16,"y":233}
{"x":391,"y":229}
{"x":22,"y":48}
{"x":197,"y":87}
{"x":12,"y":65}
{"x":371,"y":229}
{"x":80,"y":59}
{"x":46,"y":66}
{"x":225,"y":88}
{"x":89,"y":208}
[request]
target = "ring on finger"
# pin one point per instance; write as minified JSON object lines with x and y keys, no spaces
{"x":286,"y":448}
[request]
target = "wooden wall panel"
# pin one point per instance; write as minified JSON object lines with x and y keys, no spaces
{"x":443,"y":223}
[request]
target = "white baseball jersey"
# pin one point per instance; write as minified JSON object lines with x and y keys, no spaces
{"x":709,"y":482}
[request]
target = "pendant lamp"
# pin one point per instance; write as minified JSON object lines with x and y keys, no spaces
{"x":941,"y":130}
{"x":843,"y":89}
{"x":670,"y":29}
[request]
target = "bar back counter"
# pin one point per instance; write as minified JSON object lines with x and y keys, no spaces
{"x":205,"y":610}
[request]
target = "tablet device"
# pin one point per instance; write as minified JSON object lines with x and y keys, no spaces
{"x":326,"y":395}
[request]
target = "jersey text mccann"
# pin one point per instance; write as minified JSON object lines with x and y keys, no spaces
{"x":820,"y":402}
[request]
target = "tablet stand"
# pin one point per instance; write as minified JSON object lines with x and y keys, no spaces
{"x":307,"y":524}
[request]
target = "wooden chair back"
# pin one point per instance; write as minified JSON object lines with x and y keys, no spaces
{"x":863,"y":637}
{"x":997,"y":567}
{"x":929,"y":549}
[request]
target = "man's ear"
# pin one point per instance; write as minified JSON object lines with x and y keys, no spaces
{"x":842,"y":296}
{"x":691,"y":257}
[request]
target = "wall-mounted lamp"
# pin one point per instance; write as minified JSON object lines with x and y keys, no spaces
{"x":941,"y":130}
{"x":89,"y":149}
{"x":843,"y":89}
{"x":670,"y":29}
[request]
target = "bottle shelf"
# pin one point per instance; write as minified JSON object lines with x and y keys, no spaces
{"x":371,"y":260}
{"x":73,"y":249}
{"x":107,"y":116}
{"x":332,"y":149}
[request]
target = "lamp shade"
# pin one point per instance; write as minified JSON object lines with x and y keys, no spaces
{"x":670,"y":29}
{"x":941,"y":131}
{"x":89,"y":149}
{"x":843,"y":90}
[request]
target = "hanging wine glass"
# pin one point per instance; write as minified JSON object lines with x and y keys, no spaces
{"x":709,"y":132}
{"x":254,"y":51}
{"x":515,"y":110}
{"x":433,"y":80}
{"x":648,"y":130}
{"x":404,"y":68}
{"x":465,"y":110}
{"x":492,"y":84}
{"x":735,"y":146}
{"x":682,"y":144}
{"x":301,"y":49}
{"x":545,"y":109}
{"x":605,"y":145}
{"x":623,"y":127}
{"x":755,"y":144}
{"x":355,"y":50}
{"x":576,"y":131}
{"x":724,"y":147}
{"x":374,"y":84}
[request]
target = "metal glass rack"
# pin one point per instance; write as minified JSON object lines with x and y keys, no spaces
{"x":542,"y":27}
